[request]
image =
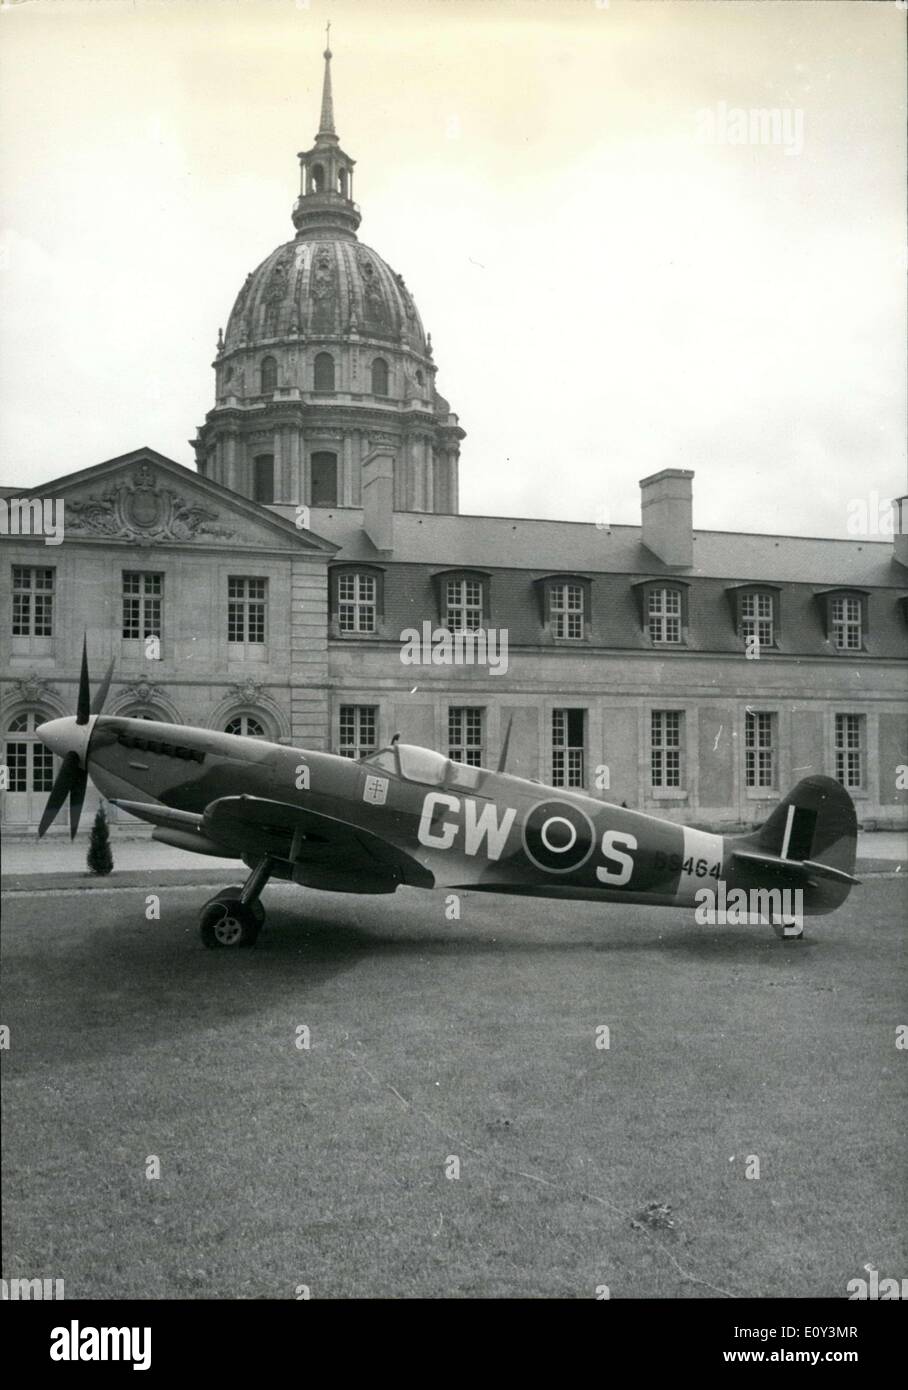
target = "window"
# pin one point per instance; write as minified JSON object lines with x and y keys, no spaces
{"x":324,"y":480}
{"x":142,"y":600}
{"x":358,"y":724}
{"x":246,"y":607}
{"x":566,"y":608}
{"x":757,"y":618}
{"x":664,"y":615}
{"x":463,"y":605}
{"x":33,"y":602}
{"x":465,"y":735}
{"x":316,"y":178}
{"x":246,"y":725}
{"x":342,"y":182}
{"x":268,"y":375}
{"x":567,"y":747}
{"x":30,"y":766}
{"x":324,"y":372}
{"x":356,"y":602}
{"x":263,"y":478}
{"x":665,"y":748}
{"x":847,"y":625}
{"x":379,"y":377}
{"x":849,"y":750}
{"x":759,"y":749}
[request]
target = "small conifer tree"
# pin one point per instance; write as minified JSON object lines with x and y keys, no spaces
{"x":100,"y":858}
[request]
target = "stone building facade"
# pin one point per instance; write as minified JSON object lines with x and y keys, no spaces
{"x":275,"y":591}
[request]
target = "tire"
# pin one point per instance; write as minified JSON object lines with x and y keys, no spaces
{"x":228,"y":924}
{"x":227,"y":895}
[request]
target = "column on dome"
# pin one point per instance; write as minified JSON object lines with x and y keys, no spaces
{"x":292,"y":493}
{"x":233,"y":479}
{"x":453,"y":480}
{"x":346,"y":457}
{"x":429,"y":474}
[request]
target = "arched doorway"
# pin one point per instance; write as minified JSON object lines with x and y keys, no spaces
{"x":30,"y":769}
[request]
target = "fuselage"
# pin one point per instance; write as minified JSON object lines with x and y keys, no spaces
{"x":468,"y":827}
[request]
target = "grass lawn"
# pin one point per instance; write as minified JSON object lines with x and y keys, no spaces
{"x":433,"y":1041}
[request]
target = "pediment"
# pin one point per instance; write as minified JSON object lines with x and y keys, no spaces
{"x":147,"y":499}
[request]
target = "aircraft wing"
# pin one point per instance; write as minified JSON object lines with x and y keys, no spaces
{"x":326,"y":852}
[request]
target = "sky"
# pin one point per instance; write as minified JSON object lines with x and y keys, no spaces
{"x":621,"y":268}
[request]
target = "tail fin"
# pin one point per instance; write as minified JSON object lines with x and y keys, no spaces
{"x":811,"y":837}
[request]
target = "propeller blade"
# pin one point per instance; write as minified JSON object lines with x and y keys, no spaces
{"x":58,"y":792}
{"x":76,"y":798}
{"x":503,"y":755}
{"x":83,"y":705}
{"x":97,"y":703}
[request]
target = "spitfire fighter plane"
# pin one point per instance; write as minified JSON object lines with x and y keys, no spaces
{"x":406,"y":814}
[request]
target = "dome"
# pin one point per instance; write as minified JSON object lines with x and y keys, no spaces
{"x":322,"y":286}
{"x":324,"y":365}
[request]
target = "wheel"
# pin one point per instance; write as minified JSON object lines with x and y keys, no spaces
{"x":229,"y":923}
{"x":227,"y":895}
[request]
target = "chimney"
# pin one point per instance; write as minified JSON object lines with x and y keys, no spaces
{"x":378,"y":499}
{"x":667,"y":515}
{"x":900,"y":529}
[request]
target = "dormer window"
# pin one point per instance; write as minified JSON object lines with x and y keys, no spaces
{"x":463,"y":599}
{"x":845,"y":612}
{"x":356,"y":600}
{"x":662,"y":607}
{"x":847,"y":623}
{"x":756,"y":615}
{"x":663,"y":615}
{"x":565,"y":606}
{"x":567,"y":611}
{"x":463,"y":605}
{"x":757,"y":618}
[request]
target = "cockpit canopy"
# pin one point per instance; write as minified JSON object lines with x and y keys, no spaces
{"x":424,"y":765}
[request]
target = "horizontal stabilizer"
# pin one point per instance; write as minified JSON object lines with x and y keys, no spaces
{"x":801,"y":868}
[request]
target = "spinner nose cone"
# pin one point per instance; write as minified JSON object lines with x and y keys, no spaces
{"x":64,"y":736}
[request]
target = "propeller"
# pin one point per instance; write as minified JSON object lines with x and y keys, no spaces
{"x":72,"y":779}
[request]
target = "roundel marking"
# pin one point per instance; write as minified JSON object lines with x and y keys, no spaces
{"x":558,"y":837}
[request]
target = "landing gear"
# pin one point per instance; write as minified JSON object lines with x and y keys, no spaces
{"x":235,"y":916}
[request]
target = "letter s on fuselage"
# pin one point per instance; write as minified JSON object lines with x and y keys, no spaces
{"x":615,"y":878}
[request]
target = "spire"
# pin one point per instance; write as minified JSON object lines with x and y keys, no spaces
{"x":326,"y":123}
{"x":325,"y":205}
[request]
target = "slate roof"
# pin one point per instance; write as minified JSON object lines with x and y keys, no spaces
{"x":493,"y":542}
